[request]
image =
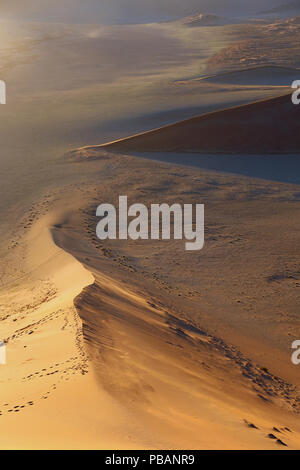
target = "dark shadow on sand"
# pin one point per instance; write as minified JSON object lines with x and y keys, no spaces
{"x":282,"y":168}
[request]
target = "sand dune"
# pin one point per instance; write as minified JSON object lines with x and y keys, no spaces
{"x":201,"y":19}
{"x":275,"y":43}
{"x":131,"y":345}
{"x":163,"y":355}
{"x":149,"y":316}
{"x":44,"y":403}
{"x":268,"y":126}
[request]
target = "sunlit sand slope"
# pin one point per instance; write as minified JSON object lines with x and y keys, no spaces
{"x":156,"y":321}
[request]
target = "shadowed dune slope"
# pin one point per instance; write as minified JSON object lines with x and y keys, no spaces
{"x":269,"y":126}
{"x":269,"y":75}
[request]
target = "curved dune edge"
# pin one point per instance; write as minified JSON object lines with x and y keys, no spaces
{"x":266,"y":126}
{"x":140,"y":390}
{"x":77,"y":413}
{"x":156,"y":368}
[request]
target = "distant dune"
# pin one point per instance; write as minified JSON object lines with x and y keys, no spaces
{"x":269,"y":75}
{"x":268,"y":126}
{"x":201,"y":19}
{"x":276,"y":42}
{"x":205,"y":20}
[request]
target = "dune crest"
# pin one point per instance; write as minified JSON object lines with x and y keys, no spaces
{"x":210,"y":19}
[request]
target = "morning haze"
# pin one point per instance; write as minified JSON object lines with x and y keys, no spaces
{"x":138,"y":343}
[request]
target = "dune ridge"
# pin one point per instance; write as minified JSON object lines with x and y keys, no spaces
{"x":166,"y":371}
{"x":267,"y":126}
{"x":187,"y":387}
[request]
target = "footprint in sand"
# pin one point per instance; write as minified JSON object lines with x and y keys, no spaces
{"x":278,"y":441}
{"x":250,"y":425}
{"x":281,"y":443}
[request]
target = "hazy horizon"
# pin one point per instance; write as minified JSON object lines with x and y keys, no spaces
{"x":122,"y":11}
